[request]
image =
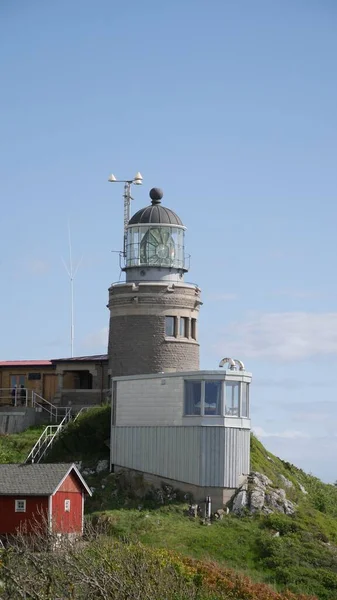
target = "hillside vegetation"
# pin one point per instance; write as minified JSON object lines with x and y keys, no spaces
{"x":16,"y":447}
{"x":296,"y":553}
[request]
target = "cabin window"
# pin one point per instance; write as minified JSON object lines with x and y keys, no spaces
{"x":192,"y":403}
{"x":67,"y":505}
{"x":212,"y":402}
{"x":20,"y":505}
{"x":232,"y":398}
{"x":244,"y":399}
{"x":170,"y":326}
{"x":183,"y":331}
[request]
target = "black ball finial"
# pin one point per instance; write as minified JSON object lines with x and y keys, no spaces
{"x":156,"y":195}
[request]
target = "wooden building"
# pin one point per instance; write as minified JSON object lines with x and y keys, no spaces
{"x":34,"y":375}
{"x":51,"y":494}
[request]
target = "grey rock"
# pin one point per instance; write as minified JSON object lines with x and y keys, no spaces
{"x":102,"y":465}
{"x":259,"y":480}
{"x":289,"y":507}
{"x":240,"y":502}
{"x":286,"y":482}
{"x":302,"y":488}
{"x":88,"y":471}
{"x":257,"y":498}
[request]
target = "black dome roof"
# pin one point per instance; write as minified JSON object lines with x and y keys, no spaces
{"x":155,"y":213}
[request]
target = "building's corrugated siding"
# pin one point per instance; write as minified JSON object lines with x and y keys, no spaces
{"x":204,"y":456}
{"x":156,"y":401}
{"x":172,"y":452}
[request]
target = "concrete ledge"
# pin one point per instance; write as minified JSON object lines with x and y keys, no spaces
{"x":219,"y":496}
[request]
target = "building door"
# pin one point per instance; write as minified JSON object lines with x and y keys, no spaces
{"x":49,"y":386}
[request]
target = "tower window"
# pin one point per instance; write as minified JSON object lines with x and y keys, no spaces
{"x":183,"y":330}
{"x":194,"y":329}
{"x":170,"y":326}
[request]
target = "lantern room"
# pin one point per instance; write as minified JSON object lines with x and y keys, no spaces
{"x":155,"y":247}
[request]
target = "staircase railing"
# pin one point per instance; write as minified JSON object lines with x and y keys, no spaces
{"x":47,"y":439}
{"x":55,"y":412}
{"x":84,"y":409}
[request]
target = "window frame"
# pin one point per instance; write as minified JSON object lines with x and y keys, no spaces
{"x":203,"y":396}
{"x":174,"y":319}
{"x":184,"y":321}
{"x":185,"y":414}
{"x":19,"y":501}
{"x":67,"y":505}
{"x":193,"y":326}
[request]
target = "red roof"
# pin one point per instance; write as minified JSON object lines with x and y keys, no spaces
{"x":25,"y":363}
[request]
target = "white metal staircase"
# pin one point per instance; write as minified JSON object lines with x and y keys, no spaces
{"x":47,"y":439}
{"x":50,"y":432}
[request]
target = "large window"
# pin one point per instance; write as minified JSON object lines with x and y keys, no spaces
{"x":212,"y":402}
{"x":203,"y":398}
{"x":216,"y":398}
{"x":192,"y":398}
{"x":232,"y":398}
{"x":170,"y":326}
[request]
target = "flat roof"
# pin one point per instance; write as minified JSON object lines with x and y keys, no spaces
{"x":25,"y":363}
{"x":91,"y":358}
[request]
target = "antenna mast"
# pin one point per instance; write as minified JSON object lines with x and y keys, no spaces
{"x":71,"y":271}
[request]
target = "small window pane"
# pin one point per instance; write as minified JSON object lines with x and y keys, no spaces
{"x":169,"y":326}
{"x":232,"y":398}
{"x":212,"y":397}
{"x":192,"y":398}
{"x":20,"y":505}
{"x":183,"y":327}
{"x":245,"y":399}
{"x":67,"y":505}
{"x":194,"y":329}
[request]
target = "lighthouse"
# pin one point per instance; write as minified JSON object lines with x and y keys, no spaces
{"x":154,"y":313}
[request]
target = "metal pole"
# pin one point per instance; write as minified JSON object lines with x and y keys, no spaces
{"x":127,"y":203}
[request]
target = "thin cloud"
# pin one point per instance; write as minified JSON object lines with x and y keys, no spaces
{"x":36,"y":266}
{"x":222,"y":297}
{"x":287,"y":336}
{"x":96,"y":340}
{"x":297,"y":294}
{"x":289,"y":434}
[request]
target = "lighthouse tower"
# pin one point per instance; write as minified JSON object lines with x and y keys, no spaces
{"x":154,"y":313}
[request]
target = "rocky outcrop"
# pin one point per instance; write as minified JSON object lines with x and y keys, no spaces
{"x":260,"y":495}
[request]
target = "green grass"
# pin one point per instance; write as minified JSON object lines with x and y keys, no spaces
{"x":15,"y":448}
{"x":84,"y":439}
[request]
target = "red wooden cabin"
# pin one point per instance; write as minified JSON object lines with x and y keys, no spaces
{"x":46,"y":493}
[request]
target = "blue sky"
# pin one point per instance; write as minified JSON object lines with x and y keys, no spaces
{"x":230,"y":107}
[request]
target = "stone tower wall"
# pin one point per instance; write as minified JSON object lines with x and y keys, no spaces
{"x":137,"y":339}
